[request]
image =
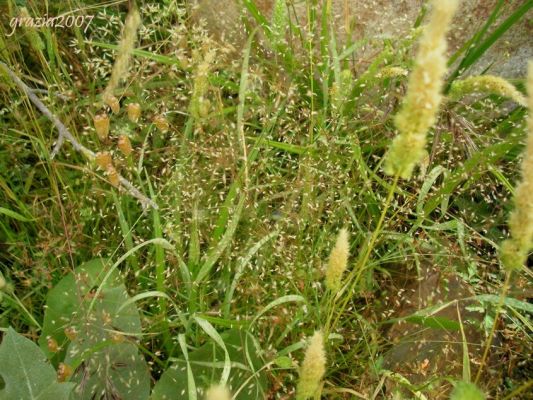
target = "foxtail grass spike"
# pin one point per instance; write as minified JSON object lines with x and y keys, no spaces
{"x":488,"y":84}
{"x":218,"y":392}
{"x":313,"y":368}
{"x":424,"y":94}
{"x":338,"y":261}
{"x":514,"y":251}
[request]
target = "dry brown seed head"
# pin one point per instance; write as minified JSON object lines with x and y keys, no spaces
{"x":52,"y":344}
{"x":101,"y":124}
{"x":161,"y":122}
{"x":103,"y":159}
{"x":113,"y":103}
{"x":71,"y":333}
{"x":117,"y":337}
{"x":112,"y":175}
{"x":64,"y":371}
{"x":124,"y":145}
{"x":134,"y":112}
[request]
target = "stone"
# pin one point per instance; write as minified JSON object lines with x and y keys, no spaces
{"x":421,"y":353}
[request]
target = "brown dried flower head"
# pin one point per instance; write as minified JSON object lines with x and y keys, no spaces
{"x":101,"y":124}
{"x":124,"y":145}
{"x":64,"y":371}
{"x":112,"y":175}
{"x":161,"y":123}
{"x":134,"y":112}
{"x":103,"y":159}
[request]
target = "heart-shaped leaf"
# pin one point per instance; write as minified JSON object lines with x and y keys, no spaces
{"x":26,"y":373}
{"x":64,"y":299}
{"x":102,"y":330}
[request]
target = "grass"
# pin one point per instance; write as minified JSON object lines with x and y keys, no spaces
{"x":268,"y":154}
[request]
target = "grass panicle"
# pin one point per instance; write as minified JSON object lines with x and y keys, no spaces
{"x":424,"y":93}
{"x":199,"y":106}
{"x":122,"y":61}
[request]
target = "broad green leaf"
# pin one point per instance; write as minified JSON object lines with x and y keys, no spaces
{"x":63,"y":301}
{"x":117,"y":368}
{"x":93,"y":302}
{"x":26,"y":373}
{"x":207,"y":364}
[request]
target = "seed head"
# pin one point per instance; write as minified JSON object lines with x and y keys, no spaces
{"x":486,"y":84}
{"x":218,"y":392}
{"x":125,"y":49}
{"x":64,"y":371}
{"x":71,"y":333}
{"x":201,"y":85}
{"x":101,"y":124}
{"x":513,"y":252}
{"x":421,"y":103}
{"x":112,"y":175}
{"x":103,"y":159}
{"x":52,"y":345}
{"x":313,"y":368}
{"x":338,"y":261}
{"x":112,"y":102}
{"x":161,"y":122}
{"x":134,"y":112}
{"x":124,"y":145}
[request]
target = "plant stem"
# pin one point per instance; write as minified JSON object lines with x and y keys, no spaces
{"x":503,"y":294}
{"x":355,"y":274}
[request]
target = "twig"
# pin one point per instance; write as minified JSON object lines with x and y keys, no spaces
{"x":64,"y":133}
{"x":45,"y":91}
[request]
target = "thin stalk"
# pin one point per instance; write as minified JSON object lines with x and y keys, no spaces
{"x":503,"y":294}
{"x":355,"y":274}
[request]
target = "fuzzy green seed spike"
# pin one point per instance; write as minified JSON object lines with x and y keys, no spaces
{"x":338,"y":261}
{"x":513,"y":252}
{"x":313,"y":368}
{"x":424,"y":95}
{"x":486,"y":84}
{"x":218,"y":392}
